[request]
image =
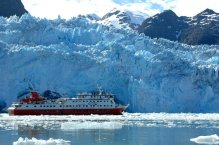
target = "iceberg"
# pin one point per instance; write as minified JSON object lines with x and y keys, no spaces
{"x":210,"y":139}
{"x":76,"y":55}
{"x":34,"y":141}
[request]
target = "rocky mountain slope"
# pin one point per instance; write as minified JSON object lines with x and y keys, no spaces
{"x":11,"y":7}
{"x":200,"y":29}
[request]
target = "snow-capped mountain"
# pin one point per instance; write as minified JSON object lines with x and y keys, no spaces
{"x":121,"y":18}
{"x":200,"y":29}
{"x":70,"y":56}
{"x":11,"y":7}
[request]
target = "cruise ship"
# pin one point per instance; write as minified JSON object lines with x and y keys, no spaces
{"x":82,"y":104}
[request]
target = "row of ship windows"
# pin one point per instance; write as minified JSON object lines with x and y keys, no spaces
{"x":76,"y":106}
{"x":78,"y":101}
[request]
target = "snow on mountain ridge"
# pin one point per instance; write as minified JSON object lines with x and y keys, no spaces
{"x":122,"y":18}
{"x":152,"y":75}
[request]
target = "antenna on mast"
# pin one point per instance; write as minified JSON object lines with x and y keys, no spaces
{"x":30,"y":85}
{"x":99,"y":89}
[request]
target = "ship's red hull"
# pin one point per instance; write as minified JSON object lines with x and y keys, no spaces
{"x":110,"y":111}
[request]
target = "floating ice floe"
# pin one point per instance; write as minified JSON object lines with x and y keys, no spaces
{"x":91,"y":125}
{"x":34,"y":141}
{"x":73,"y":122}
{"x":210,"y":139}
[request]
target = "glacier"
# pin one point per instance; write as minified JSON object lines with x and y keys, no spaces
{"x":77,"y":55}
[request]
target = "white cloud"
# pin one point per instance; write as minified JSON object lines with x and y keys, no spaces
{"x":193,"y":7}
{"x":69,"y":8}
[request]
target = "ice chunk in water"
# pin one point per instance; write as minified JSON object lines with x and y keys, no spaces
{"x":91,"y":125}
{"x":211,"y":139}
{"x":34,"y":141}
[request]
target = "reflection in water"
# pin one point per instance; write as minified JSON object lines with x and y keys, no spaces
{"x":29,"y":131}
{"x":36,"y":132}
{"x":76,"y":125}
{"x":127,"y":135}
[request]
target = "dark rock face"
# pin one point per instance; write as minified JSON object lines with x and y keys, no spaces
{"x":200,"y":29}
{"x":11,"y":7}
{"x":165,"y":25}
{"x":203,"y":29}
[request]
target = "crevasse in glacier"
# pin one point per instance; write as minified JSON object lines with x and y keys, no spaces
{"x":76,"y":55}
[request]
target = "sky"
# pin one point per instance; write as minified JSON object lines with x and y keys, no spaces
{"x":51,"y":9}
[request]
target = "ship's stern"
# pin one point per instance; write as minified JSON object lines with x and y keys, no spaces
{"x":11,"y":110}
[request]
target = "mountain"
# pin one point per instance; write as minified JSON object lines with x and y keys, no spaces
{"x":121,"y":18}
{"x":70,"y":56}
{"x":90,"y":17}
{"x":200,"y":29}
{"x":11,"y":7}
{"x":164,"y":25}
{"x":203,"y":29}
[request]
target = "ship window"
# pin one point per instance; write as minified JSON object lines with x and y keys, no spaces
{"x":34,"y":105}
{"x":73,"y":101}
{"x":54,"y":106}
{"x":69,"y":105}
{"x":40,"y":106}
{"x":60,"y":105}
{"x":66,"y":105}
{"x":26,"y":106}
{"x":50,"y":106}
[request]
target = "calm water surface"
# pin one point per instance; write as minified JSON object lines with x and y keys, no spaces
{"x":117,"y":132}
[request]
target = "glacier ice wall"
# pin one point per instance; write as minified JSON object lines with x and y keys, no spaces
{"x":69,"y":56}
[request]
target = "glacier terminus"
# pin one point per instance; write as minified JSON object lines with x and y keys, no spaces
{"x":69,"y":56}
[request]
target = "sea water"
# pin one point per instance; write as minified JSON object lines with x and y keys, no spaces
{"x":126,"y":129}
